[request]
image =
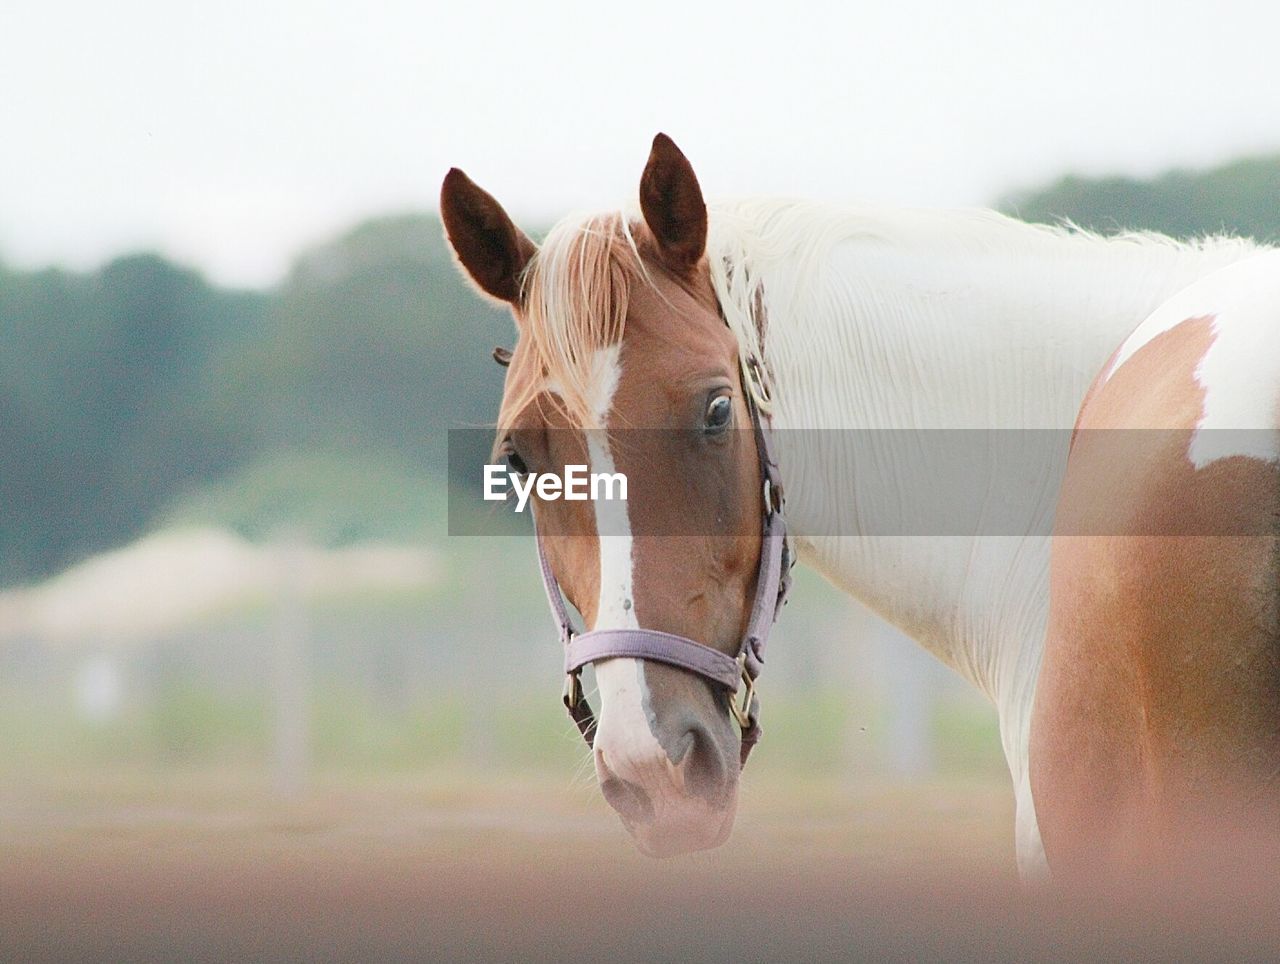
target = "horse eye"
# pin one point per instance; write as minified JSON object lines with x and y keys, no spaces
{"x":719,"y":413}
{"x":514,"y":462}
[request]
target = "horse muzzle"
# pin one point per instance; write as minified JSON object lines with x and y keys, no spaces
{"x":661,"y":811}
{"x":668,"y":766}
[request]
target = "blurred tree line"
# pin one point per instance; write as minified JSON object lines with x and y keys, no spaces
{"x":140,"y":393}
{"x":1242,"y":197}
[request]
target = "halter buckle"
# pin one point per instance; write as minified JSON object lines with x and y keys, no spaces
{"x":572,"y":691}
{"x":742,"y":711}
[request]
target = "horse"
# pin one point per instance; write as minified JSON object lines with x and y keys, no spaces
{"x":1134,"y":663}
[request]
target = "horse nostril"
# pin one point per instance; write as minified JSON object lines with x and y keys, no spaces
{"x":704,"y":768}
{"x":631,"y":802}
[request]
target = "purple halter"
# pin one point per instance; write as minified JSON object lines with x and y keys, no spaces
{"x":773,"y":580}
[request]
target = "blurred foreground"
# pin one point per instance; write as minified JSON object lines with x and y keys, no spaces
{"x":472,"y":866}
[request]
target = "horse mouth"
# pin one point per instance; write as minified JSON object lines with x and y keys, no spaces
{"x":681,"y":826}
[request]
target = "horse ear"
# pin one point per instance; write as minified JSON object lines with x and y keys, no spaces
{"x":490,"y":248}
{"x":672,"y":204}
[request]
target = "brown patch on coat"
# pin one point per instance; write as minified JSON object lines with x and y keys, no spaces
{"x":1156,"y":733}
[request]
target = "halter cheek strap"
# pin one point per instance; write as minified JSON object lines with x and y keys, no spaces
{"x":733,"y":673}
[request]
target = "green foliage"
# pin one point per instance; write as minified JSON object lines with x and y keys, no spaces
{"x":101,"y":385}
{"x":1241,"y":198}
{"x":140,"y":392}
{"x":373,"y":341}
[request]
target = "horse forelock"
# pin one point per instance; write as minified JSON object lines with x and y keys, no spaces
{"x":575,"y":297}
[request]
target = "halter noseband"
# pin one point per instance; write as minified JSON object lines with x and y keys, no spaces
{"x":773,"y":580}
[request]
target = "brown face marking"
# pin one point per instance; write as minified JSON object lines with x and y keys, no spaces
{"x":547,"y":441}
{"x":1157,"y":717}
{"x":695,"y":508}
{"x":695,"y":501}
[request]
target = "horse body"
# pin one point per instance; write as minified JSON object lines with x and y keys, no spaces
{"x":907,"y":322}
{"x":943,"y":321}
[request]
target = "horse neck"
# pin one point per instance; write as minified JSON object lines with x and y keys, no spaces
{"x":913,"y":320}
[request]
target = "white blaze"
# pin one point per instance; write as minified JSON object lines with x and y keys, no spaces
{"x":623,"y":729}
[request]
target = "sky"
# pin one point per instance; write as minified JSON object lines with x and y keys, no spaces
{"x":232,"y":135}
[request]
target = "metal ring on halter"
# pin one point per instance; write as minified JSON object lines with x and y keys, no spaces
{"x":572,"y":690}
{"x":742,"y":711}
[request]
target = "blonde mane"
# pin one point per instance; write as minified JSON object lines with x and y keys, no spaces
{"x":576,"y":293}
